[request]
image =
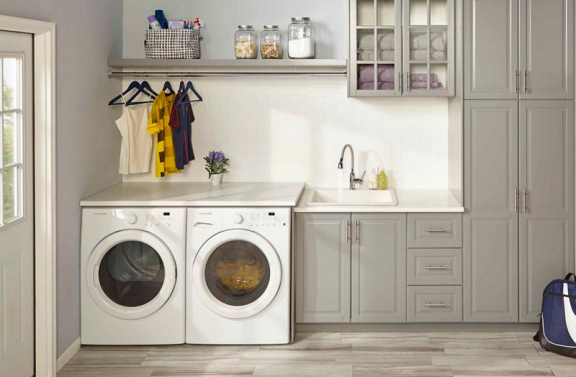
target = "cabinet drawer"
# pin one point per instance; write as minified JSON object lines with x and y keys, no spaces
{"x":434,"y":304}
{"x":434,"y":230}
{"x":434,"y":267}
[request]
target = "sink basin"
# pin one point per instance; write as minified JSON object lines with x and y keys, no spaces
{"x":353,"y":197}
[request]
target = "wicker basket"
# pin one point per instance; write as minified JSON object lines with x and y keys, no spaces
{"x":172,"y":44}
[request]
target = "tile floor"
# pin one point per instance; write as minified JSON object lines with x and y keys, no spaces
{"x":335,"y":354}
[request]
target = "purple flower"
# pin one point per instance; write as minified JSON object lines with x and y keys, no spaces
{"x":216,"y":156}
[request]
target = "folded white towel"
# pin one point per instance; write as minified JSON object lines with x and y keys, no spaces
{"x":385,"y":42}
{"x":383,"y":55}
{"x":420,"y":42}
{"x":423,"y":55}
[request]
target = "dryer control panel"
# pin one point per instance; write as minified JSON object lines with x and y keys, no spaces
{"x":120,"y":218}
{"x":247,"y":218}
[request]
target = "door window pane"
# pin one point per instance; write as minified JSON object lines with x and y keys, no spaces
{"x":365,"y":10}
{"x":237,"y":273}
{"x":131,"y":274}
{"x":11,"y":166}
{"x":418,"y":12}
{"x":438,"y":12}
{"x":386,"y":13}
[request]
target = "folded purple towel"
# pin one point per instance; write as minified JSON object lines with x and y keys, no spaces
{"x":423,"y":85}
{"x":423,"y":77}
{"x":366,"y":74}
{"x":381,"y":86}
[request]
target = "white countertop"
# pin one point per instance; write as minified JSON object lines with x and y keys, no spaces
{"x":409,"y":200}
{"x":168,"y":194}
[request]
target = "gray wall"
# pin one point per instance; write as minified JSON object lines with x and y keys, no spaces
{"x":223,"y":16}
{"x":87,"y":152}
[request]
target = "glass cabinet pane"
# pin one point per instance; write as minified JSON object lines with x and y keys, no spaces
{"x":365,"y":13}
{"x":386,"y":45}
{"x":386,"y":77}
{"x":386,"y":15}
{"x":438,"y":43}
{"x":438,"y":12}
{"x":438,"y":76}
{"x":418,"y":77}
{"x":366,"y":77}
{"x":366,"y":45}
{"x":418,"y":12}
{"x":418,"y":45}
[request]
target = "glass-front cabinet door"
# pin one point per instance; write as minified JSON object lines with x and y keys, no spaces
{"x":376,"y":48}
{"x":428,"y":47}
{"x":401,"y":48}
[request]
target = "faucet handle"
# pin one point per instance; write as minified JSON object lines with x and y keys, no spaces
{"x":363,"y":175}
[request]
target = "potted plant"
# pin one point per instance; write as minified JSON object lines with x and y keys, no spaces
{"x":216,"y":164}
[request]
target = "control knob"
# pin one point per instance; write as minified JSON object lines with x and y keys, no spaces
{"x":237,"y":218}
{"x":131,"y":218}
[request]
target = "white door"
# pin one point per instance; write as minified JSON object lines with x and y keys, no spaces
{"x":16,"y":207}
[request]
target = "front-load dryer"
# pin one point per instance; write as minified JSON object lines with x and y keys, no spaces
{"x":238,"y":276}
{"x":132,"y":278}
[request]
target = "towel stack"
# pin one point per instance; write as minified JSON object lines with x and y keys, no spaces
{"x":420,"y":80}
{"x":419,"y":47}
{"x":385,"y":47}
{"x":385,"y":76}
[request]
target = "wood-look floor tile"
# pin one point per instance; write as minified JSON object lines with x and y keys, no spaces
{"x":472,"y":337}
{"x":317,"y":337}
{"x":303,"y":370}
{"x":398,"y":348}
{"x":550,"y":359}
{"x":530,"y":351}
{"x":411,"y":371}
{"x":81,"y":371}
{"x":487,"y":345}
{"x":264,"y":358}
{"x":563,"y":370}
{"x":310,"y":347}
{"x":219,"y":371}
{"x":453,"y":360}
{"x":500,"y":371}
{"x":383,"y":360}
{"x":381,"y":337}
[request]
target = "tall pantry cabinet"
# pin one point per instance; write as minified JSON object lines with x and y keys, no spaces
{"x":518,"y":155}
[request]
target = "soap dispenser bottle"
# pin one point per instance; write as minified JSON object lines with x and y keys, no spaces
{"x":382,"y":180}
{"x":373,"y":179}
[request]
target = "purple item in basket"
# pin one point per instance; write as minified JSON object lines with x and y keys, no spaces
{"x":366,"y":74}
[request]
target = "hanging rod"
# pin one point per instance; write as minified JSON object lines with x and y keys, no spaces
{"x":167,"y":74}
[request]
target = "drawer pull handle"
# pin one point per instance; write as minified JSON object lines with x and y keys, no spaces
{"x":432,"y":305}
{"x":437,"y":231}
{"x":435,"y":267}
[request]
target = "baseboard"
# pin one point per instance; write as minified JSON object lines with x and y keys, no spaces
{"x":416,"y":327}
{"x":68,"y":354}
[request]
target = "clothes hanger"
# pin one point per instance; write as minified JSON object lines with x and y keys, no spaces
{"x":146,"y":89}
{"x":168,"y":86}
{"x":133,"y":85}
{"x":189,"y":86}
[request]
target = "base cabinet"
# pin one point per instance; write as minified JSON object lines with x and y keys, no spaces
{"x":350,"y":268}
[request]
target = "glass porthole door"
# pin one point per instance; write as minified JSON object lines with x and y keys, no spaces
{"x":131,"y":274}
{"x":237,"y":273}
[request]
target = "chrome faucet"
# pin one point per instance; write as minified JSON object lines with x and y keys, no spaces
{"x":353,"y":179}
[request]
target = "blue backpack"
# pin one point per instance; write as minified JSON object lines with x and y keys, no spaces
{"x":557,"y":331}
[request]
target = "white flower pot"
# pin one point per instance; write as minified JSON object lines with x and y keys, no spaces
{"x":216,"y":179}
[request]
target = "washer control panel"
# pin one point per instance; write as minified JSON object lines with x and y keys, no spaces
{"x":233,"y":218}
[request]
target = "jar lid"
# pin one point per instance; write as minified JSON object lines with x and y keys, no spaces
{"x":245,"y":27}
{"x":300,"y":19}
{"x":270,"y":27}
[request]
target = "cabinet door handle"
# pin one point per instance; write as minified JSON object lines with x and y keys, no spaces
{"x":524,"y":201}
{"x":432,"y":305}
{"x":517,"y":91}
{"x":435,"y":267}
{"x":400,"y":82}
{"x":516,"y":197}
{"x":525,"y":81}
{"x":523,"y":74}
{"x":407,"y":81}
{"x":358,"y":232}
{"x":348,"y":229}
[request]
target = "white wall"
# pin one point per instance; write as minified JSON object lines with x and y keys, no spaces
{"x":87,"y":150}
{"x":293,"y":130}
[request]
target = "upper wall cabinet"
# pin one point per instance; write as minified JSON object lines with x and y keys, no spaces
{"x":401,"y":48}
{"x":518,"y":49}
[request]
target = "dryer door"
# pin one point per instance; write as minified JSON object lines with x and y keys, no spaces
{"x":237,"y":273}
{"x":131,"y":274}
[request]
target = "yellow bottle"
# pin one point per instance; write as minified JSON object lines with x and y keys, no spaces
{"x":382,"y":180}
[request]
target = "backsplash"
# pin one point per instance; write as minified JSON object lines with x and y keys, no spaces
{"x":288,"y":130}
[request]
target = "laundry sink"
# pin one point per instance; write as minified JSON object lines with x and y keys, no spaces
{"x":353,"y":197}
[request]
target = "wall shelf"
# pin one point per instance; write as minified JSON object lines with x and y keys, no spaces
{"x":226,"y":67}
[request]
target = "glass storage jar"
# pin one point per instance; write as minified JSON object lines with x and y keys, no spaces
{"x":301,"y":38}
{"x":270,"y":42}
{"x":245,"y":42}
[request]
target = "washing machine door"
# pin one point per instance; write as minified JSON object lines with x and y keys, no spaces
{"x":237,"y":273}
{"x":131,"y":274}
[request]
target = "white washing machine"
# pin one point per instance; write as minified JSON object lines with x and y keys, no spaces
{"x":133,"y":268}
{"x":238,"y":276}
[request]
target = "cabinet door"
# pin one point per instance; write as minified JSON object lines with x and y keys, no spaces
{"x":379,"y":268}
{"x":546,"y":49}
{"x":546,"y":216}
{"x":490,"y":49}
{"x":323,"y":268}
{"x":491,"y":220}
{"x":428,"y":48}
{"x":375,"y":48}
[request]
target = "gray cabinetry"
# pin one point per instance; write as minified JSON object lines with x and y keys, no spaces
{"x":322,"y":268}
{"x":518,"y":49}
{"x":547,"y":188}
{"x":379,"y":268}
{"x":491,"y":219}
